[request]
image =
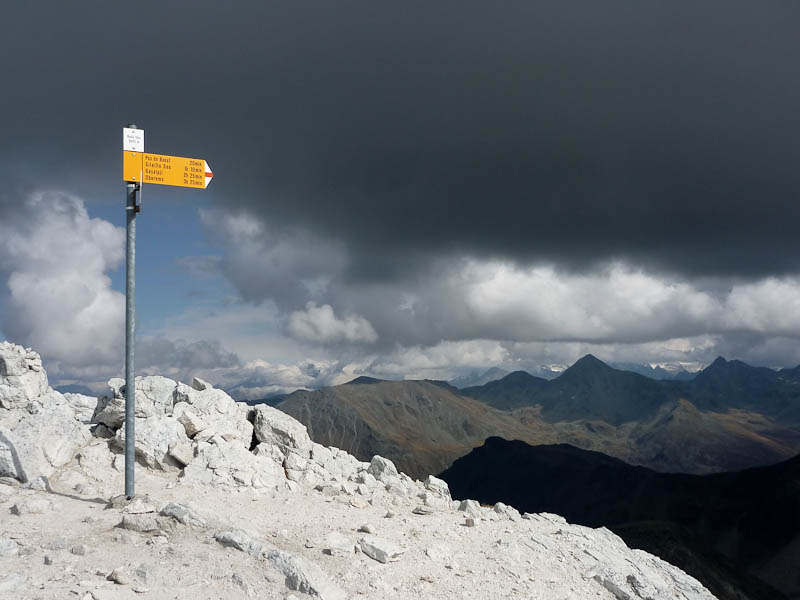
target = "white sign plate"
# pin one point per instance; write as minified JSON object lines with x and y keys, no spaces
{"x":133,"y":139}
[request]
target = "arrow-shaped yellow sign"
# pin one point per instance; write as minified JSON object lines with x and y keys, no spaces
{"x":165,"y":170}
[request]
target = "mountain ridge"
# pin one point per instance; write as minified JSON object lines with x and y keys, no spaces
{"x":666,"y":432}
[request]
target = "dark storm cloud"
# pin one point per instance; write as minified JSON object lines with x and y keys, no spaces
{"x":661,"y":132}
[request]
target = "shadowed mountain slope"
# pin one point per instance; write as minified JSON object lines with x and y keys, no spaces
{"x":515,"y":390}
{"x":588,"y":390}
{"x":733,"y":384}
{"x":752,"y":517}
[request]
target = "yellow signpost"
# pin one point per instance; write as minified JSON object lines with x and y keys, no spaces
{"x":140,"y":167}
{"x":162,"y":169}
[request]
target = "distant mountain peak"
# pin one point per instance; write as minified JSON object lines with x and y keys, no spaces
{"x":363,"y":379}
{"x":517,"y":376}
{"x":589,"y":363}
{"x":477,"y":378}
{"x":726,"y":367}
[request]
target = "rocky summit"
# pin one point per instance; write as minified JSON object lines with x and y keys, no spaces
{"x":238,"y":502}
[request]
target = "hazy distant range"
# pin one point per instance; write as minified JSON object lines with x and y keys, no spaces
{"x":729,"y":416}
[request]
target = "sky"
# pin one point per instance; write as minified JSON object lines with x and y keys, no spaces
{"x":403,"y":190}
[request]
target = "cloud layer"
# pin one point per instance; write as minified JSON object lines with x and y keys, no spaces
{"x":319,"y":324}
{"x":417,"y":188}
{"x":572,"y":134}
{"x":57,"y":295}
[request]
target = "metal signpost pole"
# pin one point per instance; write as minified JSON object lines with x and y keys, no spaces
{"x":130,"y":333}
{"x":139,"y":167}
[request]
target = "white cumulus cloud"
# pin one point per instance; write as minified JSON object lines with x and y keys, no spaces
{"x":55,"y":261}
{"x":321,"y":325}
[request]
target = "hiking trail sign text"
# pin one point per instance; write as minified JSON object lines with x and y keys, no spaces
{"x":143,"y":167}
{"x":165,"y":170}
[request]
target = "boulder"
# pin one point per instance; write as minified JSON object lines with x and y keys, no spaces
{"x":34,"y":506}
{"x":153,"y":438}
{"x":110,"y":411}
{"x":304,"y":576}
{"x":181,"y":452}
{"x":509,"y":512}
{"x":382,"y":469}
{"x":437,"y":487}
{"x":200,"y":385}
{"x":471,"y":507}
{"x":188,"y":417}
{"x":143,"y":523}
{"x":229,"y":464}
{"x":380,"y":549}
{"x":212,"y":409}
{"x":138,"y":505}
{"x":279,"y":429}
{"x":185,"y":515}
{"x":336,"y":464}
{"x":40,"y":438}
{"x":244,"y":543}
{"x":84,"y":406}
{"x":22,"y":378}
{"x":154,"y":397}
{"x":337,"y":544}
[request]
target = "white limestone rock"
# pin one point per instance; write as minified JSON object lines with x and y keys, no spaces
{"x":140,"y":505}
{"x":143,"y":523}
{"x":436,"y":494}
{"x":438,"y":487}
{"x":471,"y":507}
{"x":184,"y":514}
{"x":304,"y":576}
{"x":366,"y":478}
{"x":154,"y":397}
{"x":301,"y":574}
{"x":34,"y":505}
{"x":84,"y":406}
{"x":181,"y":452}
{"x":380,"y":549}
{"x":209,"y":408}
{"x":383,"y":469}
{"x":153,"y":438}
{"x":270,"y":451}
{"x":39,"y":439}
{"x":508,"y":512}
{"x":337,"y":544}
{"x":22,"y":377}
{"x":95,"y":457}
{"x":227,"y":464}
{"x":191,"y":421}
{"x":243,"y":542}
{"x":110,"y":412}
{"x":279,"y":429}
